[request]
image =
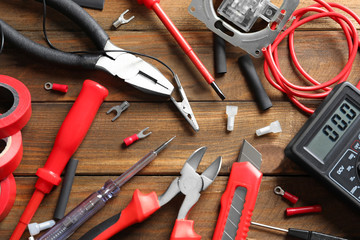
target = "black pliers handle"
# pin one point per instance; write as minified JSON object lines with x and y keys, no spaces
{"x":115,"y":61}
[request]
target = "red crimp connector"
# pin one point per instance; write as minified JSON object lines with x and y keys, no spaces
{"x":56,"y":87}
{"x":293,"y":199}
{"x":279,"y":191}
{"x":302,"y":210}
{"x":129,"y":140}
{"x":60,"y":87}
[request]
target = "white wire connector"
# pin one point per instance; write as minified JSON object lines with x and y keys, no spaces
{"x":36,"y":228}
{"x":231,"y":112}
{"x":274,"y":127}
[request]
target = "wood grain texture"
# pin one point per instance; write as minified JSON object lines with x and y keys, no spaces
{"x":320,"y":46}
{"x":269,"y":208}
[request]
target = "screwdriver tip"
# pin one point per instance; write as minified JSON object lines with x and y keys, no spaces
{"x":218,"y":90}
{"x":164,"y":145}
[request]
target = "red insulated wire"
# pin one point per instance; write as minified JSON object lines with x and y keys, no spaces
{"x":321,"y":9}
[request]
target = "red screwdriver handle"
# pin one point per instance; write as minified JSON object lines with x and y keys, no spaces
{"x":140,"y":208}
{"x":129,"y":140}
{"x":154,"y":5}
{"x":243,"y":175}
{"x":184,"y":230}
{"x":71,"y":134}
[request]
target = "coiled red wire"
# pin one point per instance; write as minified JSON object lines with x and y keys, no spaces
{"x":322,"y":9}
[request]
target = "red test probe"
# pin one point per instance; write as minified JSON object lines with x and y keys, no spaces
{"x":154,"y":5}
{"x":68,"y":139}
{"x":238,"y":200}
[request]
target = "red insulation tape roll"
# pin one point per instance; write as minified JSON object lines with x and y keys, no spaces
{"x":17,"y":100}
{"x":7,"y":195}
{"x":11,"y":156}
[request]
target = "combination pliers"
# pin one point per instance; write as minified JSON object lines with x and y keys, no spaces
{"x":112,"y":59}
{"x":142,"y":206}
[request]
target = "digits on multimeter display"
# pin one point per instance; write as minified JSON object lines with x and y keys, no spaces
{"x":332,"y":131}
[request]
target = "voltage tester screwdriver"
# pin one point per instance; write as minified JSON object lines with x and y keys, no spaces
{"x":96,"y":201}
{"x":301,"y":234}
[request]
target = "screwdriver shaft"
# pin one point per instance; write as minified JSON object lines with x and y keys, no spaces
{"x":270,"y":227}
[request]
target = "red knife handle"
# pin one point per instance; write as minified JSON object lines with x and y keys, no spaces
{"x":184,"y":230}
{"x":247,"y":177}
{"x":71,"y":134}
{"x":140,"y":208}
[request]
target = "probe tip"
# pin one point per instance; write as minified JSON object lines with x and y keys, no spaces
{"x":164,"y":145}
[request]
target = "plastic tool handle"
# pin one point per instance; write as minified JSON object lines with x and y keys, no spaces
{"x":130,"y":140}
{"x":248,"y":69}
{"x":309,"y":235}
{"x":140,"y":208}
{"x":184,"y":230}
{"x":79,"y":16}
{"x":71,"y":134}
{"x":68,"y":139}
{"x":47,"y":54}
{"x":154,"y":5}
{"x":242,"y":175}
{"x":219,"y":54}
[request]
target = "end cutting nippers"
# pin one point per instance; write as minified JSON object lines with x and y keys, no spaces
{"x":142,"y":206}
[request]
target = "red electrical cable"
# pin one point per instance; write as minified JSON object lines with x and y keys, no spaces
{"x":322,"y":9}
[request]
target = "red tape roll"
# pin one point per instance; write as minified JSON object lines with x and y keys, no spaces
{"x":7,"y":195}
{"x":11,"y":156}
{"x":18,"y":99}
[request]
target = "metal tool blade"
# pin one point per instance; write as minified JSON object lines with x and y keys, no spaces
{"x":211,"y":172}
{"x":249,"y":154}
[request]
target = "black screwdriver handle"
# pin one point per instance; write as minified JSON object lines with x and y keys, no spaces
{"x":309,"y":235}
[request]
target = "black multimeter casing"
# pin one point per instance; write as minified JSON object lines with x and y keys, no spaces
{"x":339,"y":168}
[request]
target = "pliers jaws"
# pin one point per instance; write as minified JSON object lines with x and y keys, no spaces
{"x":190,"y":183}
{"x":134,"y":71}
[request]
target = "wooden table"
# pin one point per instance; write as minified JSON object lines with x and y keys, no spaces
{"x":321,"y":49}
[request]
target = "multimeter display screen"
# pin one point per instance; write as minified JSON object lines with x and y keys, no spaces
{"x":332,"y":130}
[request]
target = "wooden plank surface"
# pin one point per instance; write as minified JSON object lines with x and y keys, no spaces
{"x":321,"y":49}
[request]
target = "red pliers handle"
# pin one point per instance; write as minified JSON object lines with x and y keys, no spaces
{"x":140,"y":208}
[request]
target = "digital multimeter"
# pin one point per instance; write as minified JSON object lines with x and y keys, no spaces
{"x":329,"y":142}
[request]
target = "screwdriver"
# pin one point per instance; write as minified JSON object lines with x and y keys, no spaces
{"x":301,"y":234}
{"x":96,"y":201}
{"x":185,"y":46}
{"x":70,"y":135}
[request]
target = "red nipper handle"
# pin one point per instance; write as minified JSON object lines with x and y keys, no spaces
{"x":184,"y":230}
{"x":129,"y":140}
{"x":293,"y":199}
{"x":140,"y":208}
